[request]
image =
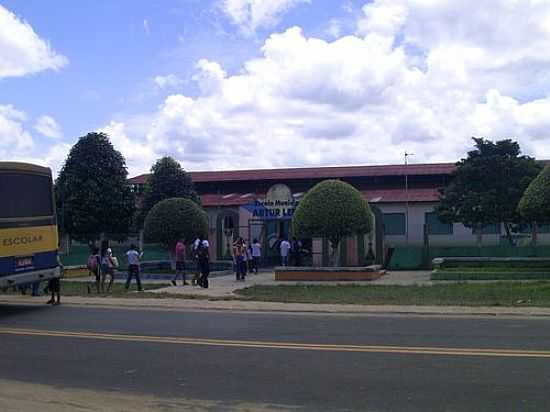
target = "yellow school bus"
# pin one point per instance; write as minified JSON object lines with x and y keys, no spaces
{"x":28,"y":225}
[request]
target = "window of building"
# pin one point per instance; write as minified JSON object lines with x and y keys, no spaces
{"x":491,"y":229}
{"x":394,"y":223}
{"x":436,"y":226}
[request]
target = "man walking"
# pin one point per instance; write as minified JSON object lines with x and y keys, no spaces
{"x":284,"y":249}
{"x":256,"y":254}
{"x":133,"y":267}
{"x":238,"y":252}
{"x":180,"y":263}
{"x":204,"y":263}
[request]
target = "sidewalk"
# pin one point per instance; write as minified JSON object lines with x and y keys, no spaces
{"x":225,"y":286}
{"x":252,"y":306}
{"x":220,"y":297}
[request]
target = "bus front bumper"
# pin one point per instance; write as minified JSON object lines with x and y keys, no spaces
{"x":29,"y":277}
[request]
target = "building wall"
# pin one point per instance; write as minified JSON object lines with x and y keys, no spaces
{"x":417,"y":219}
{"x":461,"y":235}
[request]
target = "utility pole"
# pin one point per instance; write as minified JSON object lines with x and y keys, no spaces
{"x":407,"y":196}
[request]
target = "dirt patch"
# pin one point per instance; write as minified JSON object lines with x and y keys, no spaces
{"x":26,"y":397}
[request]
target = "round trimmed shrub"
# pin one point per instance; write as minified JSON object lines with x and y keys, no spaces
{"x":534,"y":206}
{"x":173,"y":219}
{"x":332,"y":209}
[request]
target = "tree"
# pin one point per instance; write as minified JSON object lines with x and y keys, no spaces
{"x":173,"y":219}
{"x":534,"y":206}
{"x":487,"y":186}
{"x":333,"y":210}
{"x":92,"y":193}
{"x":167,"y":180}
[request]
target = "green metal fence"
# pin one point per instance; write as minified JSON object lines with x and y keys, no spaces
{"x":419,"y":257}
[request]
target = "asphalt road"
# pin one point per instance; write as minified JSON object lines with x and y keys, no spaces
{"x":313,"y":362}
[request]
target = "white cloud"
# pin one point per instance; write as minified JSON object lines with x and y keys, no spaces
{"x":422,"y":76}
{"x":139,"y":155}
{"x":47,"y":126}
{"x":334,"y":28}
{"x":250,"y":15}
{"x":17,"y":144}
{"x":22,"y":51}
{"x":170,"y":81}
{"x":53,"y":157}
{"x":14,"y":139}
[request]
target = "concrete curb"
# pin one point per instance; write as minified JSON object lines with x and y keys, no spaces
{"x":253,"y":306}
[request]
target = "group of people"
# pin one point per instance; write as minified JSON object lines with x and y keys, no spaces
{"x":102,"y":265}
{"x":246,"y":258}
{"x":201,"y":256}
{"x":291,"y":252}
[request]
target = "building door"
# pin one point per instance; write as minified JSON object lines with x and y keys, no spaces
{"x":268,"y":233}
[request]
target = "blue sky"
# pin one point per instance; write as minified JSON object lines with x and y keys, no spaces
{"x":114,"y":57}
{"x":229,"y":84}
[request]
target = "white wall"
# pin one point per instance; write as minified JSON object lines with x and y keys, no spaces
{"x":417,"y":218}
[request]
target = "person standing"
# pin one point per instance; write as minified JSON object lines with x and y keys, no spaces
{"x":204,"y":263}
{"x":94,"y":267}
{"x":54,"y":286}
{"x":247,"y":258}
{"x":108,"y":265}
{"x":256,"y":254}
{"x":238,"y":251}
{"x":296,"y":251}
{"x":196,"y":276}
{"x":133,"y":267}
{"x":284,"y":248}
{"x":180,"y":263}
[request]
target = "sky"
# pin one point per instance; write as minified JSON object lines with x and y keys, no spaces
{"x":242,"y":84}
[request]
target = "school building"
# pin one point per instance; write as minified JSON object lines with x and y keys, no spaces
{"x":260,"y":203}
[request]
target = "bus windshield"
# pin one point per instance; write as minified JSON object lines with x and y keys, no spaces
{"x":25,"y":196}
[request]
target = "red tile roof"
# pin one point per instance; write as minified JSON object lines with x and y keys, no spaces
{"x":374,"y":196}
{"x":315,"y":173}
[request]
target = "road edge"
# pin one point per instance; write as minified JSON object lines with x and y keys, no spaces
{"x":256,"y":306}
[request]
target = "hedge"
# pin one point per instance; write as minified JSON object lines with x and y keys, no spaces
{"x":173,"y":219}
{"x":332,"y":209}
{"x":534,"y":206}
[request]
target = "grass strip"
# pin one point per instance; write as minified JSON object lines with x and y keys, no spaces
{"x":493,"y":294}
{"x":487,"y":275}
{"x":493,"y":269}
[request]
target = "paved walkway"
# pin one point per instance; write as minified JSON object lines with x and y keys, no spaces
{"x":251,"y":306}
{"x":225,"y":286}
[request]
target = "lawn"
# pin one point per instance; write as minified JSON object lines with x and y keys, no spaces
{"x":493,"y":294}
{"x":483,"y":274}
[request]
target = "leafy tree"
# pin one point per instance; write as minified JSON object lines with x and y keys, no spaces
{"x":487,"y":186}
{"x":167,"y":180}
{"x":172,"y":219}
{"x":92,"y":193}
{"x":534,"y":206}
{"x":333,"y":210}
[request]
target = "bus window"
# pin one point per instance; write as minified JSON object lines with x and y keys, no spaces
{"x":25,"y":195}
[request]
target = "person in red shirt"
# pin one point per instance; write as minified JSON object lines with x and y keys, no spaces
{"x":180,"y":262}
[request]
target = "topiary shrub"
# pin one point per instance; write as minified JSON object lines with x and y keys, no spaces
{"x":333,"y":210}
{"x":173,"y":219}
{"x":534,"y":206}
